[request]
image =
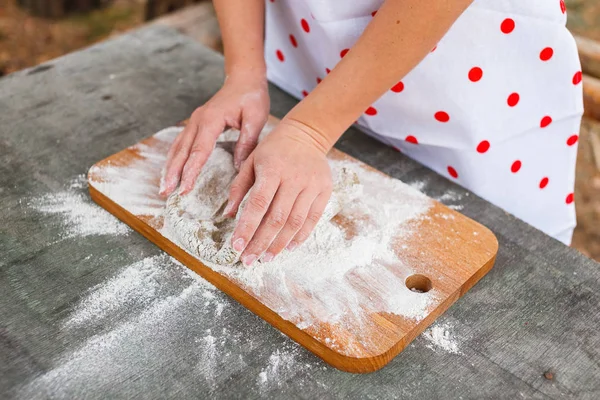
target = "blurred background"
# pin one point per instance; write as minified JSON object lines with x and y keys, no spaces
{"x":34,"y":31}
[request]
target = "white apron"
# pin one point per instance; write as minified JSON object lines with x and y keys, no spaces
{"x":495,"y":106}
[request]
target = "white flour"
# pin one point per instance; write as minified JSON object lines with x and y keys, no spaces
{"x":446,"y":198}
{"x":143,"y":323}
{"x":441,"y":336}
{"x":80,"y":216}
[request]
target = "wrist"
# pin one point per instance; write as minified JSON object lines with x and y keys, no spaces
{"x":307,"y":134}
{"x":257,"y":73}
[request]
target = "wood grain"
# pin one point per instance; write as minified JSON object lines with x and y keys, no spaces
{"x":446,"y":251}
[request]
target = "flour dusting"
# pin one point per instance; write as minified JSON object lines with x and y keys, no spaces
{"x":80,"y":216}
{"x":151,"y":307}
{"x":441,"y":336}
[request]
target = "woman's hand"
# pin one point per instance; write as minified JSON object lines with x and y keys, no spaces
{"x":289,"y":180}
{"x":242,"y":103}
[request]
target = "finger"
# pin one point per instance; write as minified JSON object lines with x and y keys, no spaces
{"x":273,"y":222}
{"x":177,"y":160}
{"x":293,"y":224}
{"x":260,"y":198}
{"x":239,"y":187}
{"x":314,"y":214}
{"x":252,"y":124}
{"x":199,"y":152}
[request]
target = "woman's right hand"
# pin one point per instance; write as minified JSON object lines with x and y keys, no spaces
{"x":242,"y":103}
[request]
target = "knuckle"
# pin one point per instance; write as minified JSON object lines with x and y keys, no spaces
{"x":258,"y":247}
{"x":313,"y":217}
{"x":276,"y":219}
{"x":258,"y":201}
{"x":235,"y":188}
{"x":295,"y":222}
{"x":302,"y":235}
{"x":198,"y":151}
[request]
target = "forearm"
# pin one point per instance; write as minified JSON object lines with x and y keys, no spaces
{"x":401,"y":34}
{"x":242,"y":29}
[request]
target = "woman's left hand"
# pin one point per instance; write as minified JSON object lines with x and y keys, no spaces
{"x":289,"y":180}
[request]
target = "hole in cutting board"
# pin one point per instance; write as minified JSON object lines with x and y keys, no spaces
{"x":418,"y":283}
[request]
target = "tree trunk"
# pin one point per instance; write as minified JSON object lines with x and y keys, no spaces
{"x":60,"y":8}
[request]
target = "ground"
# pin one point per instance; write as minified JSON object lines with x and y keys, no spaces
{"x":26,"y":41}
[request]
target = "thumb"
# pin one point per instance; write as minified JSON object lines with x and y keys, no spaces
{"x":251,"y":127}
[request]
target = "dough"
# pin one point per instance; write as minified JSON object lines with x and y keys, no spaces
{"x":196,"y":218}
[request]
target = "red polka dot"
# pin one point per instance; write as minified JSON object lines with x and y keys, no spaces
{"x":515,"y":167}
{"x":411,"y":139}
{"x":483,"y":146}
{"x":280,"y":55}
{"x":577,"y":78}
{"x":305,"y":25}
{"x":507,"y":26}
{"x":327,"y":70}
{"x":563,"y":7}
{"x":398,"y":87}
{"x":318,"y":80}
{"x":572,"y":140}
{"x":546,"y":54}
{"x":371,"y":111}
{"x":452,"y":172}
{"x":475,"y":74}
{"x":344,"y":52}
{"x":442,"y":116}
{"x":513,"y":99}
{"x":294,"y":41}
{"x":434,"y":47}
{"x":547,"y":120}
{"x":373,"y":13}
{"x":570,"y":198}
{"x":397,"y":149}
{"x":544,"y":182}
{"x":304,"y":93}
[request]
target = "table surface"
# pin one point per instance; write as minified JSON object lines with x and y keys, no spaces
{"x":91,"y":308}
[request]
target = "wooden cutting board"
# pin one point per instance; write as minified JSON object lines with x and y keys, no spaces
{"x":443,"y":255}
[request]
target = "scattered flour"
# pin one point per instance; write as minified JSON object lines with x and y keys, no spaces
{"x":80,"y":216}
{"x":440,"y":336}
{"x":447,"y":198}
{"x":282,"y":365}
{"x":135,"y":286}
{"x":134,"y":320}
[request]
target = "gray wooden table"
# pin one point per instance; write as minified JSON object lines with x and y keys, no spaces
{"x":91,"y":309}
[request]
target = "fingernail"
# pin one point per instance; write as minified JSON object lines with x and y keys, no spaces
{"x":228,"y":208}
{"x":239,"y":245}
{"x":249,"y":259}
{"x":267,"y":257}
{"x":292,"y":245}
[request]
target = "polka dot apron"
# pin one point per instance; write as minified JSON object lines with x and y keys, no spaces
{"x":495,"y":106}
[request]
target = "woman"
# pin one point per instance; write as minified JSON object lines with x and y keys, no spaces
{"x":485,"y":92}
